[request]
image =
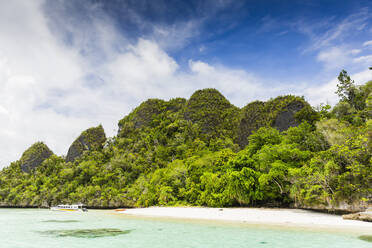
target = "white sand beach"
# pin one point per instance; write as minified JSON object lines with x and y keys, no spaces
{"x":287,"y":217}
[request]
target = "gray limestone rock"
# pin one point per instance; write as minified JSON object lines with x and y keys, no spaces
{"x":34,"y":156}
{"x":91,"y":139}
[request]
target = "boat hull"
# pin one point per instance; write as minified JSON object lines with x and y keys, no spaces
{"x":69,"y":208}
{"x":66,"y":210}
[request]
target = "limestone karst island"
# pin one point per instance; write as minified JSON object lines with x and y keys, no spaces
{"x":185,"y":124}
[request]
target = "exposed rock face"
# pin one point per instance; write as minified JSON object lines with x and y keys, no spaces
{"x":212,"y":112}
{"x":91,"y":139}
{"x":216,"y":117}
{"x":281,"y":113}
{"x":34,"y":156}
{"x":339,"y":207}
{"x":253,"y":116}
{"x":147,"y":113}
{"x":286,"y":119}
{"x":363,"y":216}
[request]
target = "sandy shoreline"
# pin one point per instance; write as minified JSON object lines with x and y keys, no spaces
{"x":264,"y":216}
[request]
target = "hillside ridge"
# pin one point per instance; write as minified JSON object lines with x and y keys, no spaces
{"x":204,"y":151}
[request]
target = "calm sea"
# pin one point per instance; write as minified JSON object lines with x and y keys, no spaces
{"x":26,"y":228}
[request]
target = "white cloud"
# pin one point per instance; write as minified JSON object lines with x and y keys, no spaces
{"x":31,"y":63}
{"x":51,"y":91}
{"x":336,"y":49}
{"x":239,"y":86}
{"x":339,"y":57}
{"x":47,"y":92}
{"x":367,"y":43}
{"x":334,"y":57}
{"x":335,"y":32}
{"x":367,"y":59}
{"x":324,"y":93}
{"x":331,"y":39}
{"x":175,"y":36}
{"x":202,"y":48}
{"x":362,"y":77}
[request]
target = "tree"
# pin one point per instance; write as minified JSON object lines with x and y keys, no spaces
{"x":243,"y":186}
{"x":346,"y":88}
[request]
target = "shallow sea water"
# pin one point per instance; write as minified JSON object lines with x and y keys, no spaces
{"x":27,"y":228}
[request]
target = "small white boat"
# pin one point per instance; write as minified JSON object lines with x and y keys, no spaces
{"x":75,"y":207}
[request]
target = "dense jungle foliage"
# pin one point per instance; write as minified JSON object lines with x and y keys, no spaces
{"x":204,"y":151}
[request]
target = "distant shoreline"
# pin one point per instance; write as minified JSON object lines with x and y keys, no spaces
{"x":281,"y":217}
{"x":89,"y":207}
{"x":255,"y":216}
{"x":326,"y":211}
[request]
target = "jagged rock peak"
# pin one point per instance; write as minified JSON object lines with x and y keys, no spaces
{"x":209,"y":96}
{"x":146,"y":112}
{"x":252,"y":117}
{"x":212,"y":112}
{"x":143,"y":114}
{"x":281,"y":113}
{"x":91,"y":139}
{"x":34,"y":156}
{"x":206,"y":99}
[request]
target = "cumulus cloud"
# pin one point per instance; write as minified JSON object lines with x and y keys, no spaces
{"x":59,"y":79}
{"x":339,"y":57}
{"x":367,"y":59}
{"x":32,"y":63}
{"x":60,"y":75}
{"x":334,"y":57}
{"x":368,"y":43}
{"x":325,"y":92}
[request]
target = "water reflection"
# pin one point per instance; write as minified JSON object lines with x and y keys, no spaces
{"x":367,"y":238}
{"x":60,"y":221}
{"x":86,"y":233}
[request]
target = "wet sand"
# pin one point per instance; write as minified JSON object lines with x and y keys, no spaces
{"x":265,"y":216}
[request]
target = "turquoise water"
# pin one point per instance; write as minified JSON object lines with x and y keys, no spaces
{"x":27,"y":228}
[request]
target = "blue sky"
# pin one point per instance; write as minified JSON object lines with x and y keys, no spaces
{"x":272,"y":38}
{"x":68,"y":65}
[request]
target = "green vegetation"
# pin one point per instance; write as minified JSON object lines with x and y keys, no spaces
{"x":91,"y":139}
{"x":86,"y":233}
{"x":34,"y":156}
{"x":204,"y":151}
{"x":213,"y":113}
{"x":367,"y":238}
{"x":282,"y":113}
{"x":60,"y":221}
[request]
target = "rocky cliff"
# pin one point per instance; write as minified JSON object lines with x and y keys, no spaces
{"x":213,"y":113}
{"x":34,"y":156}
{"x":282,"y":113}
{"x":91,"y":139}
